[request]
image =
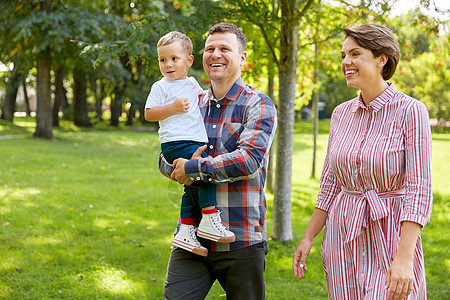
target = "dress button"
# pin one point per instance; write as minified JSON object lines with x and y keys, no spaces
{"x":211,"y":146}
{"x":214,"y":126}
{"x":218,"y":105}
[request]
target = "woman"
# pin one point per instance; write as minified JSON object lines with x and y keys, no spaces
{"x":375,"y":193}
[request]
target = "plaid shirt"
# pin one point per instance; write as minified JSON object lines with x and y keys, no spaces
{"x":240,"y":128}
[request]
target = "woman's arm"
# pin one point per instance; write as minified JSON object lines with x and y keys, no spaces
{"x":400,"y":276}
{"x":315,"y":225}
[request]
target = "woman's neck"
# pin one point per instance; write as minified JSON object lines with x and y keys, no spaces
{"x":371,"y":92}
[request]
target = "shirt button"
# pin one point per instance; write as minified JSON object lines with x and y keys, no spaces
{"x":211,"y":146}
{"x":214,"y":126}
{"x":364,"y":253}
{"x":218,"y":105}
{"x":198,"y":178}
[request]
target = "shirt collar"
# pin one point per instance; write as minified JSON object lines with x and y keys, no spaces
{"x":234,"y":91}
{"x":377,"y":103}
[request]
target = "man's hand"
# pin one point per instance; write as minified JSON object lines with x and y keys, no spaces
{"x":178,"y":174}
{"x":198,"y":154}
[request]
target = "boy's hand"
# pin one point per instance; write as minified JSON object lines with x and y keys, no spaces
{"x":181,"y":105}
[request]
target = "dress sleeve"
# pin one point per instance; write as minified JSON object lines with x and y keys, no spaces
{"x":253,"y":145}
{"x":329,"y":187}
{"x":419,"y":197}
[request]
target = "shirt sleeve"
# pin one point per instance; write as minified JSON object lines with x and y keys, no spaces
{"x":329,"y":187}
{"x":253,"y":145}
{"x":155,"y":97}
{"x":419,"y":197}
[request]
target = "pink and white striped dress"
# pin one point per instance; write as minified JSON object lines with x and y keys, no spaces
{"x":376,"y":174}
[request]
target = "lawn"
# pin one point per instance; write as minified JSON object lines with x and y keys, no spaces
{"x":87,"y":215}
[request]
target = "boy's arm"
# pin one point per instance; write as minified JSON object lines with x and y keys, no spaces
{"x":158,"y":113}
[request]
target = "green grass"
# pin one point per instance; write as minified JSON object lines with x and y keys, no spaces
{"x":87,"y":215}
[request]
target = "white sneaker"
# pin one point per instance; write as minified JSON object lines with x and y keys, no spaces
{"x":187,"y":240}
{"x":211,"y":228}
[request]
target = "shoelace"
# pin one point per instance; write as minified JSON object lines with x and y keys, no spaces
{"x":192,"y":233}
{"x":218,"y":223}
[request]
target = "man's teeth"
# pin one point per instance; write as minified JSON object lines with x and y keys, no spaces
{"x":350,"y":72}
{"x":216,"y":65}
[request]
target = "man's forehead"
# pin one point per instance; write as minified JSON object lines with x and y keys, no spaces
{"x":221,"y":38}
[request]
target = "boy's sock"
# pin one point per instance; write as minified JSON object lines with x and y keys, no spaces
{"x":209,"y":211}
{"x":188,"y":221}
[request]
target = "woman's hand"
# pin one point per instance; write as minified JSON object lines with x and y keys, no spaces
{"x":400,"y":278}
{"x":300,"y":255}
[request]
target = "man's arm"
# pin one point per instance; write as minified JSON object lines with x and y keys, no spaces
{"x":159,"y":113}
{"x":252,"y":146}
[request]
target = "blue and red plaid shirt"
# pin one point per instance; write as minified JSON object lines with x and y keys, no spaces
{"x":241,"y":127}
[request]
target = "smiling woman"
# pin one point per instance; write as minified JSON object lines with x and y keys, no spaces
{"x":375,"y":192}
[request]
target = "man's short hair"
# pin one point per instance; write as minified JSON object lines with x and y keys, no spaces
{"x":175,"y":36}
{"x":228,"y":27}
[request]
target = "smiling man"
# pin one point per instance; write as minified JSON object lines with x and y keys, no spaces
{"x":240,"y":122}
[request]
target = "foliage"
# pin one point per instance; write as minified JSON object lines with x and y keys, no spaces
{"x":80,"y":220}
{"x":424,"y":48}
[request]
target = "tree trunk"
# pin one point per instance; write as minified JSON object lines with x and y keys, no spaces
{"x":25,"y":97}
{"x":270,"y":168}
{"x":44,"y":95}
{"x":131,"y":114}
{"x":80,"y":116}
{"x":99,"y":101}
{"x":12,"y":87}
{"x":315,"y":108}
{"x":282,"y":225}
{"x":59,"y":95}
{"x":116,"y":106}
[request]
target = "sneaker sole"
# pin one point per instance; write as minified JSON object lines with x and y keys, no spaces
{"x":188,"y":247}
{"x":216,"y":238}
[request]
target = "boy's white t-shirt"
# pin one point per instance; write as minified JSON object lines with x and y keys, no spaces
{"x":182,"y":126}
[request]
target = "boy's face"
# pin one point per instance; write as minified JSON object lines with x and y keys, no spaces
{"x":174,"y":61}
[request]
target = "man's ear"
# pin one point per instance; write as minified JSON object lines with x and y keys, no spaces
{"x":243,"y":57}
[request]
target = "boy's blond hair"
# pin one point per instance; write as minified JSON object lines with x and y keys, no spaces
{"x":175,"y":36}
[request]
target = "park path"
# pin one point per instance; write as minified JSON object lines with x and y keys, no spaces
{"x":8,"y":137}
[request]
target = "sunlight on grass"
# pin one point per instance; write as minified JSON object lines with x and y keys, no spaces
{"x":9,"y":195}
{"x":4,"y":291}
{"x":103,"y":223}
{"x":115,"y":281}
{"x":40,"y":241}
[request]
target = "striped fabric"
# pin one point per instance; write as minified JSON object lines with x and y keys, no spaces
{"x":376,"y":174}
{"x":240,"y":128}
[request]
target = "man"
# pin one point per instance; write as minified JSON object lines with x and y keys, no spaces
{"x":240,"y":122}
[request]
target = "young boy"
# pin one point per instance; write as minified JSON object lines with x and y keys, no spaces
{"x":173,"y":101}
